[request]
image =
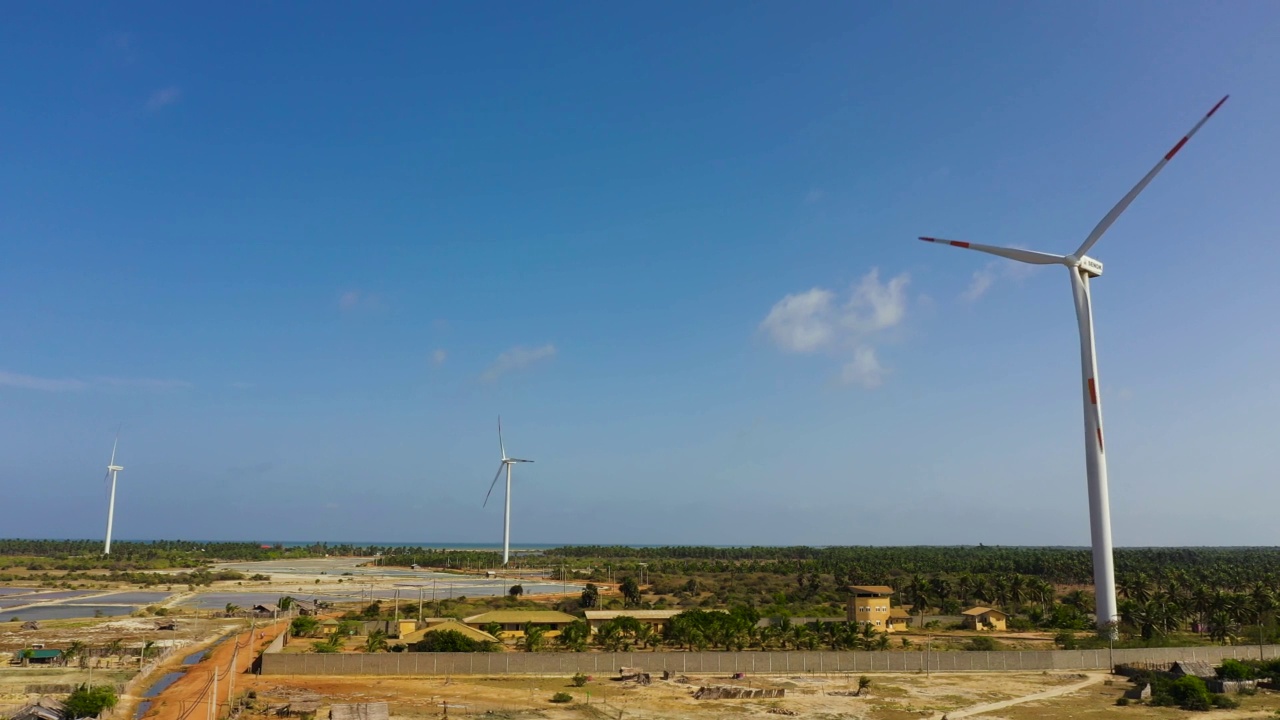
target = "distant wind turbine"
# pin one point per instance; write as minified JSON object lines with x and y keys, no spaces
{"x":113,"y":471}
{"x":1081,"y":268}
{"x":506,"y":464}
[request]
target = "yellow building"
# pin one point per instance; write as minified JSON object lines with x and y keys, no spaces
{"x":513,"y":622}
{"x":657,"y":619}
{"x":869,"y":604}
{"x":984,"y":618}
{"x":448,"y":624}
{"x":899,"y":619}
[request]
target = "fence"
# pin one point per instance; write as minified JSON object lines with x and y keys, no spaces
{"x":768,"y":663}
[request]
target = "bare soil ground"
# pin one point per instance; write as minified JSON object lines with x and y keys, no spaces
{"x":890,"y":697}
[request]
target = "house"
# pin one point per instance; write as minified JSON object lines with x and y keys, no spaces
{"x":305,"y":607}
{"x":984,"y":618}
{"x":266,"y":609}
{"x":513,"y":622}
{"x":656,"y":619}
{"x":329,"y":627}
{"x":899,"y":619}
{"x":31,"y":625}
{"x":40,"y":656}
{"x":46,"y":708}
{"x":869,"y":604}
{"x":448,"y":624}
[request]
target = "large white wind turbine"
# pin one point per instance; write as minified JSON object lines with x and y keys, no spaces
{"x":506,"y":464}
{"x":113,"y":471}
{"x":1081,"y":268}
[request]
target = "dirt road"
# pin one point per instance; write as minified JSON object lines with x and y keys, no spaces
{"x":189,"y":697}
{"x":1092,"y":679}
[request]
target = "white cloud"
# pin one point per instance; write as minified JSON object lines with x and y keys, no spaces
{"x":801,"y":323}
{"x":163,"y":97}
{"x":353,"y":300}
{"x":986,"y":278}
{"x":438,"y":357}
{"x":144,"y":383}
{"x":517,"y":358}
{"x":31,"y":382}
{"x":865,"y":369}
{"x":812,"y":321}
{"x":982,"y":281}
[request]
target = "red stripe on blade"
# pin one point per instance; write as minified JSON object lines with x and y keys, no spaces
{"x":957,"y":243}
{"x":1100,"y":440}
{"x":1093,"y":392}
{"x":1176,"y":148}
{"x":1215,"y":107}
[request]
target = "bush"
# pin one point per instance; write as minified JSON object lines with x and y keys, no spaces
{"x":1122,"y":701}
{"x":450,"y":641}
{"x":1190,"y":693}
{"x":982,"y":643}
{"x":579,"y":680}
{"x":561,"y":697}
{"x":1235,"y":670}
{"x":304,"y":626}
{"x":1224,"y":702}
{"x":88,"y":701}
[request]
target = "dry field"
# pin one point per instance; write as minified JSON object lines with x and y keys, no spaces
{"x":1012,"y":696}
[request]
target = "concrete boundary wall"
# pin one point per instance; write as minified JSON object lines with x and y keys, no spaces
{"x":772,"y":663}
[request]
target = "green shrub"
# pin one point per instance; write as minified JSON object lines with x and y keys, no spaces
{"x":982,"y":643}
{"x":561,"y":697}
{"x":304,"y":626}
{"x":579,"y":680}
{"x":1122,"y":701}
{"x":88,"y":701}
{"x":1224,"y":702}
{"x":1190,"y":693}
{"x":1235,"y":670}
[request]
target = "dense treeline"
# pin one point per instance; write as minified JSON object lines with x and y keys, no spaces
{"x":78,"y":555}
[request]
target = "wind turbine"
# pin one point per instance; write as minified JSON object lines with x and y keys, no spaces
{"x":113,"y":471}
{"x":506,"y":464}
{"x":1080,"y":268}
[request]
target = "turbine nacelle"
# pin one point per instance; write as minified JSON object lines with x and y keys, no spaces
{"x":1091,"y":267}
{"x":115,"y":468}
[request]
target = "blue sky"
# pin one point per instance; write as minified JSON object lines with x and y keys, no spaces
{"x":307,"y":255}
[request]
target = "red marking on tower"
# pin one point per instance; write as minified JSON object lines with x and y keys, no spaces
{"x":1093,"y":392}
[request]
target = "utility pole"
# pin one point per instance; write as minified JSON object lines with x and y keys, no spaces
{"x":213,"y":696}
{"x":419,"y":603}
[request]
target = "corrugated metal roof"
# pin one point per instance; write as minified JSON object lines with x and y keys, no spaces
{"x":44,"y":654}
{"x":975,"y":611}
{"x":637,"y":614}
{"x":520,"y":616}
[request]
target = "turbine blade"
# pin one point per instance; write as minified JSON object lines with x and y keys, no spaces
{"x":113,"y":449}
{"x":501,"y":447}
{"x":1026,"y":256}
{"x":495,"y":482}
{"x":516,"y":460}
{"x":1121,"y":206}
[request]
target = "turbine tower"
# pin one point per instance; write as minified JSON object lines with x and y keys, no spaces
{"x":506,"y":464}
{"x":1081,"y":268}
{"x":113,"y":471}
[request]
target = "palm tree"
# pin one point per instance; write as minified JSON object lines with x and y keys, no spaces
{"x":114,"y":648}
{"x":494,"y":629}
{"x":146,"y":645}
{"x":232,"y":609}
{"x":534,"y":635}
{"x":75,"y":649}
{"x":864,"y":682}
{"x":377,"y":640}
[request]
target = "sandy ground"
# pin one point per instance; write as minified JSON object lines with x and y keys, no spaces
{"x":190,"y":694}
{"x":890,"y":697}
